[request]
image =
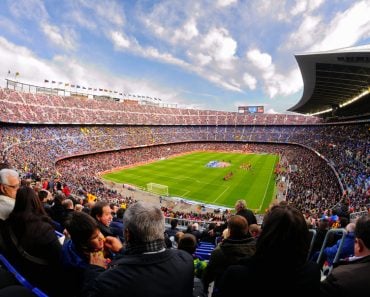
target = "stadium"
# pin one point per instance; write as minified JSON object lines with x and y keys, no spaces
{"x":90,"y":146}
{"x":77,"y":139}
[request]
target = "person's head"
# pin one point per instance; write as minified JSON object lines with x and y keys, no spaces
{"x":68,"y":204}
{"x":195,"y":227}
{"x":350,"y":228}
{"x":9,"y":182}
{"x":255,"y":230}
{"x":78,"y":207}
{"x":144,"y":222}
{"x":120,"y":213}
{"x":84,"y":232}
{"x":188,"y":243}
{"x":362,"y":237}
{"x":102,"y":212}
{"x":27,"y":201}
{"x":44,"y":196}
{"x":178,"y":236}
{"x":284,"y":238}
{"x":238,"y":227}
{"x":240,"y":205}
{"x":174,"y":223}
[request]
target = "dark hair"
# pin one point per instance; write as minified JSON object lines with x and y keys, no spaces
{"x":284,"y":237}
{"x":188,"y":243}
{"x":28,"y":207}
{"x":43,"y":194}
{"x":97,"y":209}
{"x":174,"y":223}
{"x":362,"y":230}
{"x":80,"y":227}
{"x":120,"y":212}
{"x":28,"y":201}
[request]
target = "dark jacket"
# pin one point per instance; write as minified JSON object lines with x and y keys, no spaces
{"x":348,"y":279}
{"x":227,"y":253}
{"x":255,"y":276}
{"x":249,"y":216}
{"x":40,"y":242}
{"x":143,"y":275}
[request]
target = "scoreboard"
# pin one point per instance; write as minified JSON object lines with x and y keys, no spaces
{"x":251,"y":109}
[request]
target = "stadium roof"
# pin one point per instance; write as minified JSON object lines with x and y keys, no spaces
{"x":336,"y":83}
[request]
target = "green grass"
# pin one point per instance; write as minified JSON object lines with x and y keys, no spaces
{"x":187,"y":176}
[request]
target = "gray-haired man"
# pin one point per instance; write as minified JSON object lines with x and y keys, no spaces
{"x":146,"y":268}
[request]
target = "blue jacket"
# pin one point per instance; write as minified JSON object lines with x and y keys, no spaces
{"x":347,"y":248}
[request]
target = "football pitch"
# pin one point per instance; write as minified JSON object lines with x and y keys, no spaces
{"x":246,"y":176}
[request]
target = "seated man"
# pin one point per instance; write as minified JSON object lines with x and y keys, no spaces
{"x":237,"y":245}
{"x":351,"y":278}
{"x":147,"y":267}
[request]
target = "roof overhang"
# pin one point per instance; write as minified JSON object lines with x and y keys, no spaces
{"x":334,"y":80}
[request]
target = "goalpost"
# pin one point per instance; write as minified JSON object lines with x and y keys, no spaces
{"x":157,"y":189}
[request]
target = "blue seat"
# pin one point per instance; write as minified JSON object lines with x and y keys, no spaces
{"x":203,"y":255}
{"x":20,"y":278}
{"x":204,"y":250}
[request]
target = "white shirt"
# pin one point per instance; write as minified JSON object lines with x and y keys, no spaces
{"x":6,"y":206}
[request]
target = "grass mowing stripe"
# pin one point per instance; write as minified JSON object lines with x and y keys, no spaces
{"x":188,"y":176}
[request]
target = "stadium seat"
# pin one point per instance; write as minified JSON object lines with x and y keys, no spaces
{"x":20,"y":278}
{"x":203,"y":255}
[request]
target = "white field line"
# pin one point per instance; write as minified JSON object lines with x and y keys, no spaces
{"x":264,"y":196}
{"x":221,"y":194}
{"x":184,"y":195}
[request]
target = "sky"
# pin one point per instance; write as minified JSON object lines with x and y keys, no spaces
{"x":207,"y":54}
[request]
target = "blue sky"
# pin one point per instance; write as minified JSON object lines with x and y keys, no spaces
{"x":210,"y":54}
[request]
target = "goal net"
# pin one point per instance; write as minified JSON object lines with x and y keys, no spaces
{"x":157,"y":189}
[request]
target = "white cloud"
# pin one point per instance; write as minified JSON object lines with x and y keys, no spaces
{"x":64,"y":68}
{"x":65,"y":39}
{"x":306,"y":33}
{"x":302,"y":6}
{"x":250,"y":81}
{"x":108,"y":11}
{"x":221,"y":82}
{"x":119,"y":41}
{"x":7,"y":25}
{"x":29,"y":9}
{"x":200,"y":58}
{"x":271,"y":111}
{"x":220,"y":46}
{"x":261,"y":60}
{"x":82,"y":20}
{"x":287,"y":84}
{"x":185,"y":33}
{"x":224,"y":3}
{"x":153,"y":53}
{"x":346,"y":28}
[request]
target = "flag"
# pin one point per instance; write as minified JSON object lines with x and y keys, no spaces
{"x":91,"y":197}
{"x":66,"y":84}
{"x":17,"y":73}
{"x":45,"y":80}
{"x":53,"y":81}
{"x":90,"y":88}
{"x":60,"y":82}
{"x":8,"y":71}
{"x":72,"y":86}
{"x":95,"y":89}
{"x":101,"y":90}
{"x":84,"y":88}
{"x":78,"y":87}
